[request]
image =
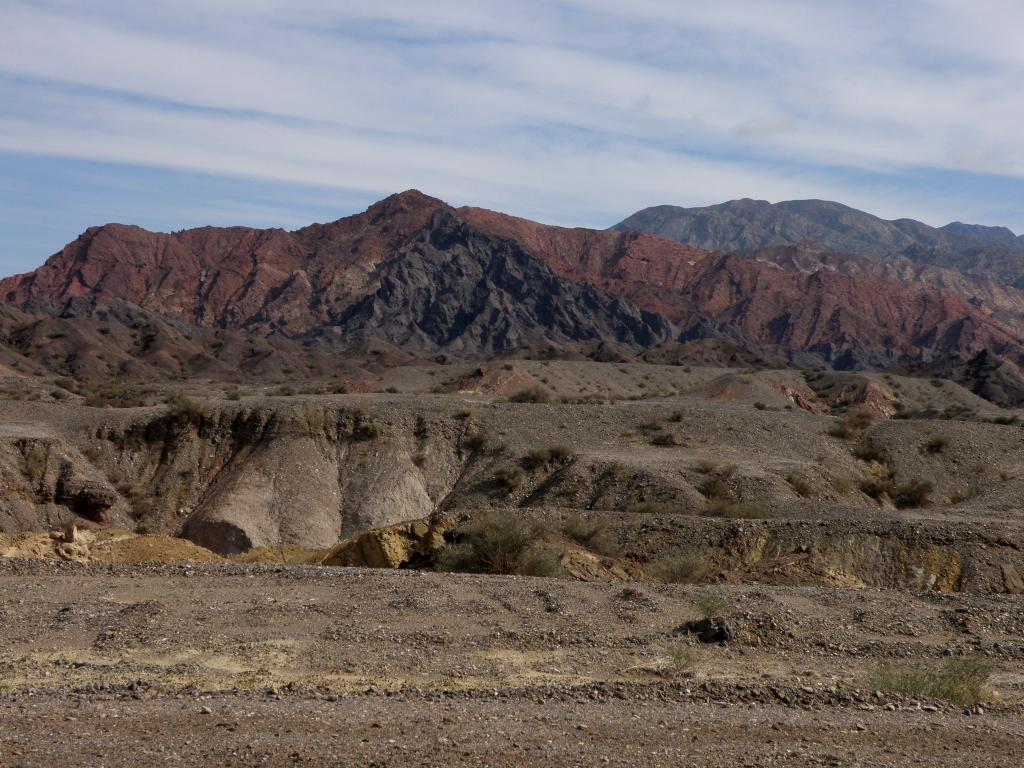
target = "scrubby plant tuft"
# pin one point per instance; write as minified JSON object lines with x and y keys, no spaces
{"x":531,"y":395}
{"x":678,"y":569}
{"x":499,"y":543}
{"x":960,"y":681}
{"x":591,"y":533}
{"x":711,"y":604}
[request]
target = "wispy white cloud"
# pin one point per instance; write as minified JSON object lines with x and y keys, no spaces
{"x":577,"y":111}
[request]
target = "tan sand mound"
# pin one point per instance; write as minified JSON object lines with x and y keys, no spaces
{"x":104,"y":547}
{"x":151,"y":549}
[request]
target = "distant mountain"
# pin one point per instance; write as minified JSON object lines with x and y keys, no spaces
{"x":748,"y":225}
{"x":455,"y":289}
{"x":422,"y":278}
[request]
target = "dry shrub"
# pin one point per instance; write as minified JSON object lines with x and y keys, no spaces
{"x":678,"y":569}
{"x":799,"y":485}
{"x":499,"y":543}
{"x":960,"y":681}
{"x":593,"y":534}
{"x":507,"y":480}
{"x":531,"y":395}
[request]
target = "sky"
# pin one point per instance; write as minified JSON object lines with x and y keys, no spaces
{"x":179,"y":113}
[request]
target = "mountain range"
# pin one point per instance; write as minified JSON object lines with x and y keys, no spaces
{"x":749,"y":225}
{"x":808,"y":282}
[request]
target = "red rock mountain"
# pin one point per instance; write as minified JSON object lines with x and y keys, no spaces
{"x":299,"y":283}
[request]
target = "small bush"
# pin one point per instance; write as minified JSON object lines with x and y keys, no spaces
{"x":681,"y":658}
{"x":313,"y":420}
{"x":592,"y":534}
{"x":960,"y":681}
{"x":116,"y":396}
{"x":681,"y":569}
{"x":507,"y":480}
{"x":843,"y":485}
{"x":232,"y":393}
{"x":936,"y":445}
{"x":476,"y":442}
{"x":540,"y":457}
{"x":865,"y":451}
{"x":859,"y":420}
{"x":184,"y":409}
{"x":36,"y":459}
{"x":561,"y":453}
{"x":799,"y":485}
{"x":284,"y":391}
{"x":714,"y":487}
{"x":912,"y":495}
{"x":499,"y":543}
{"x":531,"y":395}
{"x":420,"y":460}
{"x":706,"y":467}
{"x":535,"y":459}
{"x":664,"y":440}
{"x":711,"y":605}
{"x":367,"y":430}
{"x":760,"y":406}
{"x":875,"y":487}
{"x":839,"y":430}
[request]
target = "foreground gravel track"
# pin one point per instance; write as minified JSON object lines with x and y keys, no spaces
{"x":240,"y":665}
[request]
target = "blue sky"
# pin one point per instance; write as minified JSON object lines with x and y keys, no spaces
{"x":172,"y":114}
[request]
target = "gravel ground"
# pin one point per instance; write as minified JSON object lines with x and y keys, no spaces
{"x":256,"y":665}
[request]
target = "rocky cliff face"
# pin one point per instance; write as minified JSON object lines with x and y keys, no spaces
{"x":467,"y":293}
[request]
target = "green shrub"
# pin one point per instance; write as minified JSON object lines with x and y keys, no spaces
{"x":499,"y":543}
{"x":681,"y":658}
{"x":366,"y":430}
{"x":711,"y":604}
{"x":960,"y":681}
